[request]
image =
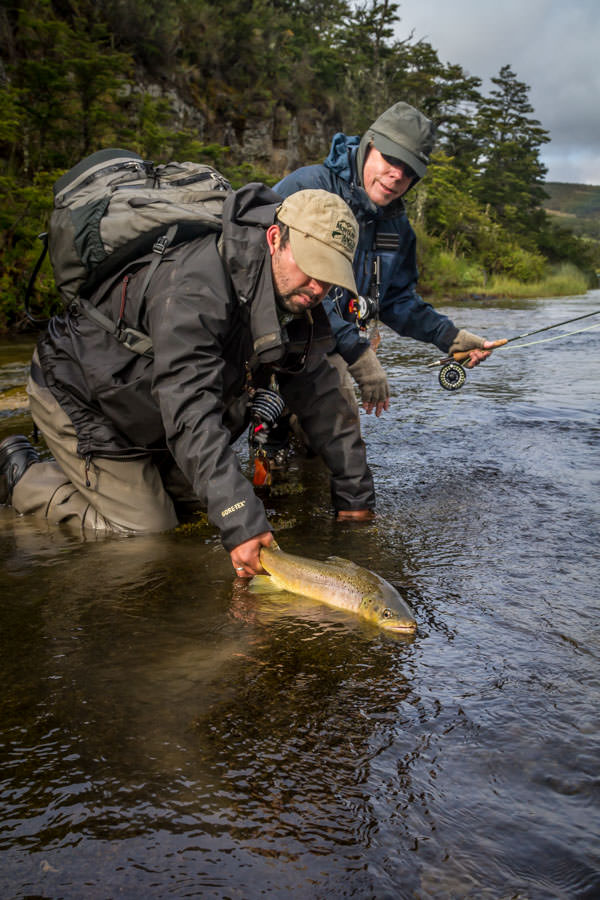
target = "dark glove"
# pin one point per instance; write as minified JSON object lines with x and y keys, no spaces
{"x":371,"y":380}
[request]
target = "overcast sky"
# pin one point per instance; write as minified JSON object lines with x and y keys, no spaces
{"x":551,"y":45}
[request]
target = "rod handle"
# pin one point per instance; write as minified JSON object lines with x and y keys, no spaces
{"x":464,"y":354}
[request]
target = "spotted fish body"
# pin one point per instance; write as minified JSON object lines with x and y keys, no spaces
{"x":338,"y":582}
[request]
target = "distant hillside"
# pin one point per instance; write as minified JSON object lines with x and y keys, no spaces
{"x":575,"y":206}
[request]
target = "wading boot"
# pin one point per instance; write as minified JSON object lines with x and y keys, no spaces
{"x":16,"y":455}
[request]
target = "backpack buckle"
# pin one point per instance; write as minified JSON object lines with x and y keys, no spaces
{"x":160,"y":244}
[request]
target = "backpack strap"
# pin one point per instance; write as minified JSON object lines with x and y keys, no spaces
{"x":134,"y":340}
{"x":160,"y":246}
{"x":29,"y":289}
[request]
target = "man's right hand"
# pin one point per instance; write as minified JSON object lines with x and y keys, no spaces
{"x":354,"y":515}
{"x":245,"y":558}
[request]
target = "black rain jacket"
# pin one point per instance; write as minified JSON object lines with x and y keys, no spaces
{"x":211,"y":312}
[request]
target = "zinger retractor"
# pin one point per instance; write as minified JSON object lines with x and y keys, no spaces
{"x":452,"y":376}
{"x":267,"y":406}
{"x":267,"y":435}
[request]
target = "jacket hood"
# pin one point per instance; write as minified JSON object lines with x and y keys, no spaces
{"x":339,"y":157}
{"x":247,"y":213}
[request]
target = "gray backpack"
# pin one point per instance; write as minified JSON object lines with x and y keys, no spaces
{"x":114,"y":207}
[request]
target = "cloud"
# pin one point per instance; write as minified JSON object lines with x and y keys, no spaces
{"x":551,"y":46}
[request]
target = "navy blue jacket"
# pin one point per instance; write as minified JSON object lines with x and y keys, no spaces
{"x":400,"y":307}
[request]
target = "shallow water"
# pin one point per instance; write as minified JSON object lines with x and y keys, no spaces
{"x":166,"y":733}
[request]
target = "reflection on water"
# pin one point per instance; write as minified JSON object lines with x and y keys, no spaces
{"x":165,"y":732}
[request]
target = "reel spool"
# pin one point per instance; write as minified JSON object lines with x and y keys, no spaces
{"x":452,"y":376}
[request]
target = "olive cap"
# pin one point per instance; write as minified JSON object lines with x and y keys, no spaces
{"x":404,"y":133}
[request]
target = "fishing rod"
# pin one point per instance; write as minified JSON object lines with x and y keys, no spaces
{"x":452,"y":374}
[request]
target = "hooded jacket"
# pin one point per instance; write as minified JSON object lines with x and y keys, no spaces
{"x":400,"y":307}
{"x":210,"y":310}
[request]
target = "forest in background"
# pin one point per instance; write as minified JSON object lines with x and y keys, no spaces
{"x":257,"y":87}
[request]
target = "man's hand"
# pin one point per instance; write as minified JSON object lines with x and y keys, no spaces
{"x":245,"y":557}
{"x":356,"y":515}
{"x":477,"y":347}
{"x":372,"y":382}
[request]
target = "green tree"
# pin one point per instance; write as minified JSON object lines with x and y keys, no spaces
{"x":151,"y":31}
{"x":365,"y":45}
{"x":66,"y":83}
{"x":511,"y":172}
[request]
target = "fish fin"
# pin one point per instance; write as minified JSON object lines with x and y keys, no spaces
{"x":340,"y":559}
{"x":263,"y":584}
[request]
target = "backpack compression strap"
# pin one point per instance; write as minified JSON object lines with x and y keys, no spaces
{"x":134,"y":340}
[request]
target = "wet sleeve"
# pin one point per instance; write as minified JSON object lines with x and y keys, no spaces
{"x":408,"y":314}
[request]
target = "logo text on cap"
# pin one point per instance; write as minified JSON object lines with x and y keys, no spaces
{"x":345,"y":232}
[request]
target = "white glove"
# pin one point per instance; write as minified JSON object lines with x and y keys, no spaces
{"x":372,"y":382}
{"x":464,"y":341}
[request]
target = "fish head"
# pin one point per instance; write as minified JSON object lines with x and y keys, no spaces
{"x":395,"y":620}
{"x":385,"y":607}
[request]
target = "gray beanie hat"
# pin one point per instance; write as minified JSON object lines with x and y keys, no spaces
{"x":403,"y":133}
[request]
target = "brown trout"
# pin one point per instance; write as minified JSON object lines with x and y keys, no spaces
{"x":338,"y":582}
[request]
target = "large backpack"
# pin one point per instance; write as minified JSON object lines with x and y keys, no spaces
{"x":114,"y":207}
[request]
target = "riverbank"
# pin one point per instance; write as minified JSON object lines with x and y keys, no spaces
{"x":458,"y":281}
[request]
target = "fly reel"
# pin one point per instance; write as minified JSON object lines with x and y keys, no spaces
{"x":452,"y":376}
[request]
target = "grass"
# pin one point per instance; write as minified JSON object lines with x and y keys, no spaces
{"x":444,"y":273}
{"x":565,"y":280}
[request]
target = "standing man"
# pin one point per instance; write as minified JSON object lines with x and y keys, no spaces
{"x":372,"y":173}
{"x":132,"y":434}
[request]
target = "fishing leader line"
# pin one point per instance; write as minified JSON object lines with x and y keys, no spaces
{"x":556,"y":337}
{"x":452,"y":374}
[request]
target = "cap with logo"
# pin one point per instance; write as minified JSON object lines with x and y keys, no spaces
{"x":404,"y":133}
{"x":323,"y":235}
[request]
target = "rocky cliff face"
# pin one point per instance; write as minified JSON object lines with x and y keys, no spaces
{"x":281,"y":142}
{"x":276,"y":141}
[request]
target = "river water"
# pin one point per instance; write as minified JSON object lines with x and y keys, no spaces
{"x":165,"y":733}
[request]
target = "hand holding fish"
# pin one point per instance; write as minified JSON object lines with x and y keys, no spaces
{"x":245,"y":558}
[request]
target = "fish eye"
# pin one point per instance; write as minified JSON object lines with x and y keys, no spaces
{"x":387,"y":613}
